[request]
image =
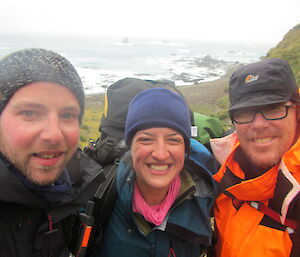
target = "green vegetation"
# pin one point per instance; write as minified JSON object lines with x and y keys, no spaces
{"x":89,"y":128}
{"x":289,"y":50}
{"x":223,"y":104}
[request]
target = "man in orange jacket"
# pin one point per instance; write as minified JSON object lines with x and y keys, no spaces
{"x":258,"y":210}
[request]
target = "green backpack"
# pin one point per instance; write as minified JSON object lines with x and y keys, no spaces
{"x":206,"y":127}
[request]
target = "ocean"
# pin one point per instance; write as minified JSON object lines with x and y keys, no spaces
{"x":103,"y":61}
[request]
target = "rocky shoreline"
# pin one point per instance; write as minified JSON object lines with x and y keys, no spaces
{"x":204,"y":95}
{"x":207,"y":95}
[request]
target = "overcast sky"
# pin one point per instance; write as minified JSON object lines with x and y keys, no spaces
{"x":238,"y":20}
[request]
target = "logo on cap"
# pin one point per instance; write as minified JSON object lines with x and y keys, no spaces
{"x":251,"y":78}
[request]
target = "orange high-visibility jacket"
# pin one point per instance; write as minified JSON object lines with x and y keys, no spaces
{"x":243,"y":228}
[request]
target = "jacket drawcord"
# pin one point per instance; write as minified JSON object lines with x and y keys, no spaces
{"x":171,"y":251}
{"x":50,"y":222}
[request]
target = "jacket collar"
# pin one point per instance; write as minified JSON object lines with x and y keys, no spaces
{"x":191,"y":204}
{"x":279,"y":185}
{"x":13,"y":190}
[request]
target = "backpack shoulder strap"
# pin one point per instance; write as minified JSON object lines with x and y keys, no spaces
{"x":105,"y":199}
{"x":106,"y":188}
{"x":86,"y":235}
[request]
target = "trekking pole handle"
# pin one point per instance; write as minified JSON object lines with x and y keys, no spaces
{"x":87,"y":223}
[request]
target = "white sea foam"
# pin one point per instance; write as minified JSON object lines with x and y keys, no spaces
{"x":182,"y":72}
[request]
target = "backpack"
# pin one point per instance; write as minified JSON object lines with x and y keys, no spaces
{"x":109,"y":148}
{"x":206,"y":127}
{"x":111,"y":145}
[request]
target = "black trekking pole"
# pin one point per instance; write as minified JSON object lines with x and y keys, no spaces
{"x":87,"y":223}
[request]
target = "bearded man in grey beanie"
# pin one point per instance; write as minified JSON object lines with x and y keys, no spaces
{"x":41,"y":107}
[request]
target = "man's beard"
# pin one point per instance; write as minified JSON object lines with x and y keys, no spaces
{"x":21,"y":161}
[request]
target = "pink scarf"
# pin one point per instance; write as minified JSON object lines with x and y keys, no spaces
{"x":157,"y":213}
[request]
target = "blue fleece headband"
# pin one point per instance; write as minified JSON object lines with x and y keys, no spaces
{"x":158,"y":107}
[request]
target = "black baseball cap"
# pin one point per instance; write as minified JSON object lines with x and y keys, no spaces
{"x":269,"y":81}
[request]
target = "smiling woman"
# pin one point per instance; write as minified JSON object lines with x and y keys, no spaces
{"x":164,"y":184}
{"x":159,"y":137}
{"x":157,"y":157}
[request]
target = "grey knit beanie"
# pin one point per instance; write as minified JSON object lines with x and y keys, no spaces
{"x":31,"y":65}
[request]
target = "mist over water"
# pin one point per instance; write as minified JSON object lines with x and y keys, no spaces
{"x":101,"y":62}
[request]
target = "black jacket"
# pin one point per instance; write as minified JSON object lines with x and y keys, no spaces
{"x":30,"y":226}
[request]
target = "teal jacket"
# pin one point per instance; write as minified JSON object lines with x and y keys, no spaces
{"x":187,"y":229}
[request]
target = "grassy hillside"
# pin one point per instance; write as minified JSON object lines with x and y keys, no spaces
{"x":289,"y":50}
